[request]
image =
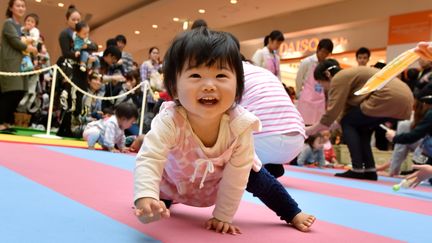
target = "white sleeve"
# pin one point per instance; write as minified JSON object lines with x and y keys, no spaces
{"x":258,"y":57}
{"x":301,"y":76}
{"x":151,"y":159}
{"x":235,"y":178}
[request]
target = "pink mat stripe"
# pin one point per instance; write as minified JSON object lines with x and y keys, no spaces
{"x":316,"y":172}
{"x":365,"y":196}
{"x":109,"y":190}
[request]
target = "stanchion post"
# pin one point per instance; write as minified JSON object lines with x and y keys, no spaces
{"x":51,"y":104}
{"x":51,"y":107}
{"x":143,"y":106}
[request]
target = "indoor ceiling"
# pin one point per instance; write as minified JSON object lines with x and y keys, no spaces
{"x":108,"y":18}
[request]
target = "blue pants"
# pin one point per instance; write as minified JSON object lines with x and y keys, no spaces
{"x":273,"y":194}
{"x":84,"y":56}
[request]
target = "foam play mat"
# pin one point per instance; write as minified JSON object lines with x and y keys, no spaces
{"x":64,"y":194}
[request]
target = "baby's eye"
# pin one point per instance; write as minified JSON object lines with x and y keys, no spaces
{"x":194,"y":75}
{"x":221,"y":75}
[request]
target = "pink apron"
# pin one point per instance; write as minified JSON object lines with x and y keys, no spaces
{"x":311,"y":103}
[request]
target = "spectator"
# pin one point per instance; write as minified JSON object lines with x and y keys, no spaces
{"x":363,"y":56}
{"x":267,"y":57}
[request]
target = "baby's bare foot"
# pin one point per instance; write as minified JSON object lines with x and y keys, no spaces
{"x":303,"y":221}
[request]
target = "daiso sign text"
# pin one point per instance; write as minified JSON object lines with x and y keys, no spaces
{"x":303,"y":47}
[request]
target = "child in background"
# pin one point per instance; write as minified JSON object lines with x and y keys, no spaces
{"x":109,"y":133}
{"x":200,"y":150}
{"x":31,"y":35}
{"x":313,"y":152}
{"x":329,"y":153}
{"x":81,"y":42}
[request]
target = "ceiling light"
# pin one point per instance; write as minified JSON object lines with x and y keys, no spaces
{"x":233,"y":1}
{"x":154,"y":26}
{"x":201,"y":11}
{"x":38,"y":1}
{"x":176,"y":19}
{"x":100,"y":46}
{"x":345,"y":59}
{"x":137,"y":32}
{"x":185,"y":25}
{"x":61,"y":5}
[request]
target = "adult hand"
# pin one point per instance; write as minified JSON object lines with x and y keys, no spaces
{"x":424,"y":50}
{"x":390,"y":134}
{"x":314,"y":129}
{"x":334,"y":126}
{"x":32,"y":49}
{"x":424,"y":172}
{"x":222,"y":227}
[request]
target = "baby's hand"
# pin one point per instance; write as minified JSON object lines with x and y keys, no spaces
{"x":222,"y":227}
{"x":149,"y":209}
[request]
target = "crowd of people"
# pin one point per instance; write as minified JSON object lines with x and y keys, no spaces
{"x":218,"y":124}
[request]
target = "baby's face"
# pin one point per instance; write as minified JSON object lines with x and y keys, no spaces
{"x":29,"y":23}
{"x":84,"y":33}
{"x":207,"y":92}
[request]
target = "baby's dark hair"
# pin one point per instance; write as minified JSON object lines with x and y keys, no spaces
{"x":126,"y":110}
{"x":80,"y":25}
{"x":329,"y":65}
{"x":311,"y":139}
{"x":202,"y":47}
{"x":34,"y":16}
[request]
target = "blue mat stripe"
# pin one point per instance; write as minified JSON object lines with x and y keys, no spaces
{"x":31,"y":212}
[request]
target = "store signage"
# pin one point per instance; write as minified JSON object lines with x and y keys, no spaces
{"x":306,"y":46}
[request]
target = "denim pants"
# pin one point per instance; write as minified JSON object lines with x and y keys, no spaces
{"x":273,"y":194}
{"x":357,"y":131}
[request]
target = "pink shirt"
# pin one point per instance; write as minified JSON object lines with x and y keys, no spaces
{"x":267,"y":99}
{"x":174,"y":164}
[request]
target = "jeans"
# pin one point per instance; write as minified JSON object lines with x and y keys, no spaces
{"x":400,"y":151}
{"x":84,"y":56}
{"x":357,"y":131}
{"x":273,"y":194}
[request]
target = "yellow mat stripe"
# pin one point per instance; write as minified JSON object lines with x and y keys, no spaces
{"x":44,"y":141}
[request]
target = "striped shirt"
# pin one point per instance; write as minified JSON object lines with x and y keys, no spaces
{"x":267,"y":99}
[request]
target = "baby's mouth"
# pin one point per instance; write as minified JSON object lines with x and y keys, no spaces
{"x":208,"y":100}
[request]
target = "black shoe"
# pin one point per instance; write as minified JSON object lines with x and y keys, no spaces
{"x":351,"y":174}
{"x":370,"y":175}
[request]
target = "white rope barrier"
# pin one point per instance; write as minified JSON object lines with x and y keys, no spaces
{"x":27,"y":73}
{"x":95,"y":96}
{"x":56,"y":69}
